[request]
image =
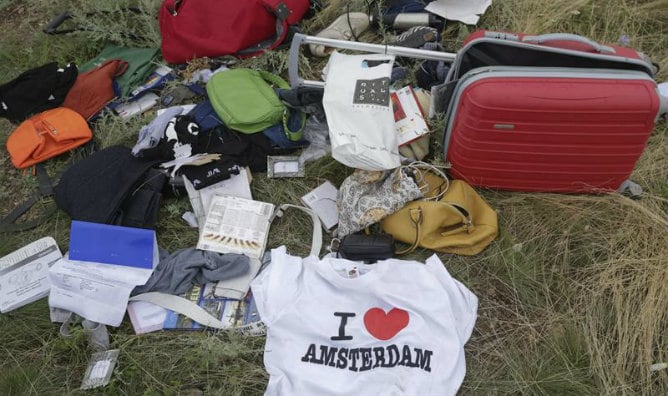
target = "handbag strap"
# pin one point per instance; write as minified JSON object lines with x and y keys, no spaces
{"x":274,"y":79}
{"x":316,"y":241}
{"x":282,"y":84}
{"x":416,"y":216}
{"x":293,"y":135}
{"x":182,"y":306}
{"x":281,"y":11}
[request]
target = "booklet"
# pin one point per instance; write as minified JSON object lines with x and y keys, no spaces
{"x":409,"y":121}
{"x":236,"y":225}
{"x":24,"y":273}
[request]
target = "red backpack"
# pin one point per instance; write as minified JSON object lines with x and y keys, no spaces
{"x":198,"y":28}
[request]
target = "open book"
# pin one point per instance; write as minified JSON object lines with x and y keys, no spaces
{"x":236,"y":225}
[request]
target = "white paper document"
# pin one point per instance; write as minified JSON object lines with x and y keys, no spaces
{"x":236,"y":185}
{"x":322,"y":200}
{"x":467,"y":11}
{"x":24,"y":273}
{"x":236,"y":225}
{"x":97,"y":292}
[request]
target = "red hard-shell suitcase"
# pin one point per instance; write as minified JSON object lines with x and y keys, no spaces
{"x":549,"y":129}
{"x":555,"y":112}
{"x":552,"y":49}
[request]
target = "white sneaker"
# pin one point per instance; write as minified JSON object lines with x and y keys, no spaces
{"x":340,"y":29}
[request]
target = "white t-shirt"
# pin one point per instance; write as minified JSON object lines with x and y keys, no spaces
{"x":339,"y":327}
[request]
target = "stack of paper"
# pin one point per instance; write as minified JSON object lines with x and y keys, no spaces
{"x":24,"y":273}
{"x":104,"y":264}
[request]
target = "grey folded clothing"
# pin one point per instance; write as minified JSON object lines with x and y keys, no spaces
{"x":177,"y":272}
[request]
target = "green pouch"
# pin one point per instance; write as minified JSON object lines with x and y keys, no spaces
{"x":140,"y":65}
{"x":246,"y":102}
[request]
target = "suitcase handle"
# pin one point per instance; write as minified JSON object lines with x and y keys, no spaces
{"x":546,"y":38}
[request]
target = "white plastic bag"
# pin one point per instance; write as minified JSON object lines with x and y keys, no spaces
{"x":359,"y":111}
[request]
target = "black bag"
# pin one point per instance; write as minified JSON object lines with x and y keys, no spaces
{"x":36,"y":90}
{"x":367,"y":248}
{"x":111,"y":186}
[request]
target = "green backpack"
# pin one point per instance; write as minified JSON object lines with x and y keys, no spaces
{"x":246,"y":102}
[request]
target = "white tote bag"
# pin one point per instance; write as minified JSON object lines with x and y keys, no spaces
{"x":359,"y":111}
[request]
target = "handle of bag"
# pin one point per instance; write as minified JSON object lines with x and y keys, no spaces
{"x":274,"y":79}
{"x":282,"y":84}
{"x":316,"y":241}
{"x":120,"y":69}
{"x":416,"y":217}
{"x":546,"y":38}
{"x":281,"y":11}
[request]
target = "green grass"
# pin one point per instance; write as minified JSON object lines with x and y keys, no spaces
{"x":573,"y":296}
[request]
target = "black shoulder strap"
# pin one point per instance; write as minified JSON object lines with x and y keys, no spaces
{"x":52,"y":26}
{"x":9,"y":222}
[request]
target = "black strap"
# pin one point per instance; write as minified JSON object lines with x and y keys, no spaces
{"x":52,"y":26}
{"x":9,"y":222}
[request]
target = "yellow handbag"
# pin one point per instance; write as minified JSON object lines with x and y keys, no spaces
{"x":456,"y":220}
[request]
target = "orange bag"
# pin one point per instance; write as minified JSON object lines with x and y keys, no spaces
{"x":45,"y":135}
{"x":94,"y":88}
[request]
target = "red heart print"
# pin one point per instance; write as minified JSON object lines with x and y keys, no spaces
{"x":385,"y":325}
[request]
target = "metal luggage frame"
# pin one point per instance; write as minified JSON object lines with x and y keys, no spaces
{"x":300,"y":39}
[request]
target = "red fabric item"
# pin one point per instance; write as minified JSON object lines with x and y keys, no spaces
{"x":94,"y":88}
{"x":198,"y":28}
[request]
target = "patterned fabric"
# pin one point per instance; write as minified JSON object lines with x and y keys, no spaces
{"x":366,"y":197}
